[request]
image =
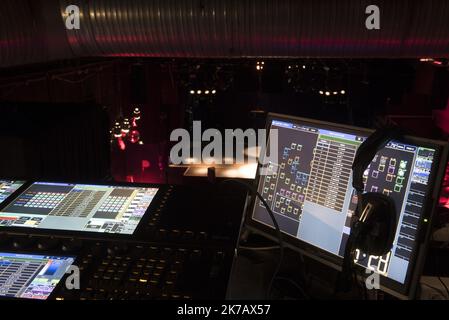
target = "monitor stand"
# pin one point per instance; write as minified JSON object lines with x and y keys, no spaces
{"x":300,"y":277}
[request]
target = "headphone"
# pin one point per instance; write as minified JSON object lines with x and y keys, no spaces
{"x":375,"y":218}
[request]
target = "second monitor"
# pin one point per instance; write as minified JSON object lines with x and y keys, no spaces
{"x":79,"y":207}
{"x":309,"y":190}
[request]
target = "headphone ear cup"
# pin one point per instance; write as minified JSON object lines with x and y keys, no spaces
{"x":376,"y":235}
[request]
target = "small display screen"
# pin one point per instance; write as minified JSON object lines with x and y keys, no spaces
{"x":31,"y":276}
{"x":79,"y":207}
{"x":8,"y":187}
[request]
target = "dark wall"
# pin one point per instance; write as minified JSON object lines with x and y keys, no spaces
{"x":161,"y":89}
{"x":54,"y":141}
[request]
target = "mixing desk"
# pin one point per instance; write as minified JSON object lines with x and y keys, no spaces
{"x":127,"y":241}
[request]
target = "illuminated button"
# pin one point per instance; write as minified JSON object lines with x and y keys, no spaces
{"x":188,"y":235}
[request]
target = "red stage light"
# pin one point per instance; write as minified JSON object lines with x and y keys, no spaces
{"x":134,"y":136}
{"x":145,"y":164}
{"x":121,"y":144}
{"x":444,"y":198}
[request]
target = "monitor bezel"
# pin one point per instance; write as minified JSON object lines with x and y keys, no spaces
{"x":139,"y":232}
{"x":405,"y":290}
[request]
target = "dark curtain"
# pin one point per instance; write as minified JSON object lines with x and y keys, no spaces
{"x":54,"y":141}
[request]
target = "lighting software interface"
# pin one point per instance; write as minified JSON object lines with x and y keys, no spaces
{"x":310,"y":190}
{"x":78,"y":207}
{"x":31,"y":276}
{"x":8,"y":187}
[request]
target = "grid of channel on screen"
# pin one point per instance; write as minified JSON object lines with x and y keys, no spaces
{"x":79,"y":207}
{"x":310,"y":192}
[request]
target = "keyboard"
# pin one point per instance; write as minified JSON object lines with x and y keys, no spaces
{"x":142,"y":271}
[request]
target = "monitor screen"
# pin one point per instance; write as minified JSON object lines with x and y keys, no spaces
{"x":79,"y":207}
{"x":8,"y":187}
{"x":31,"y":276}
{"x":310,"y":189}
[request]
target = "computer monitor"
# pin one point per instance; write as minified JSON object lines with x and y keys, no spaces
{"x":31,"y":276}
{"x":8,"y":187}
{"x":310,"y":192}
{"x":79,"y":207}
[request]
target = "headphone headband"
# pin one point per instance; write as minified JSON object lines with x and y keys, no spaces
{"x":368,"y":149}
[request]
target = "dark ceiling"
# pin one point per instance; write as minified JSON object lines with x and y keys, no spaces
{"x":34,"y":30}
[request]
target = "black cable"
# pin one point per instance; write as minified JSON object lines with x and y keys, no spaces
{"x":441,"y":292}
{"x":265,"y":248}
{"x":362,"y":283}
{"x":297,"y":286}
{"x":356,"y":281}
{"x":346,"y":277}
{"x":304,"y":270}
{"x":276,"y":226}
{"x":444,"y":285}
{"x":349,"y":268}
